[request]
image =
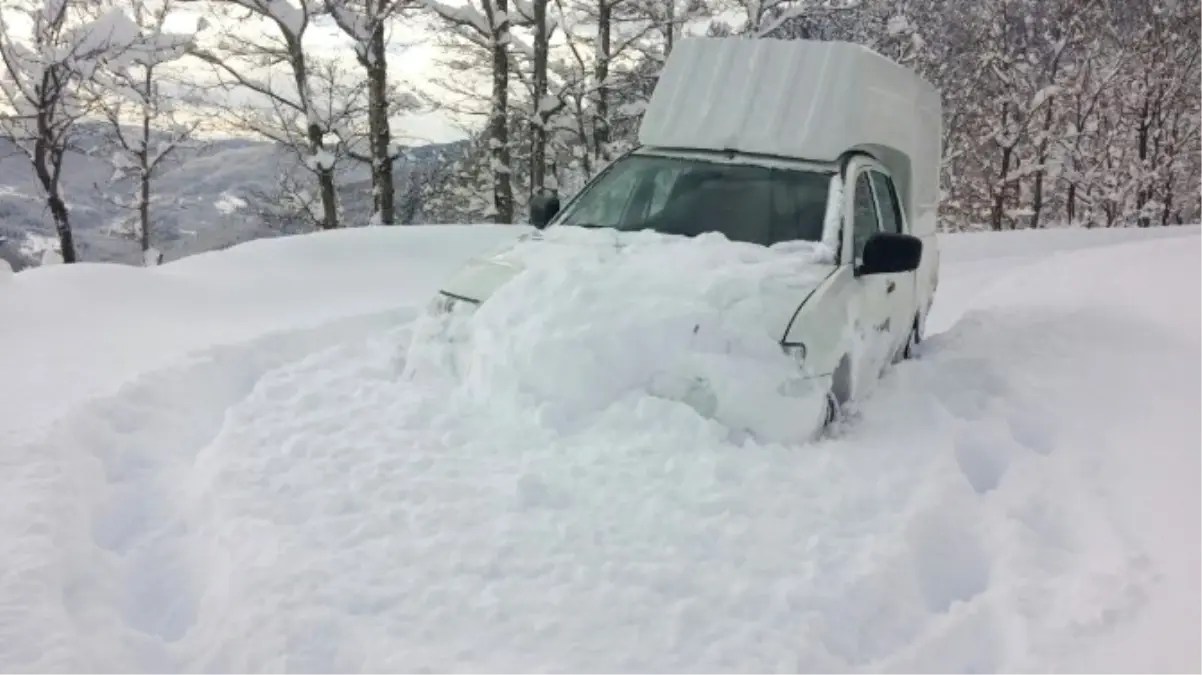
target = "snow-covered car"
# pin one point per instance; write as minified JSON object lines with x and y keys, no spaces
{"x":764,"y":142}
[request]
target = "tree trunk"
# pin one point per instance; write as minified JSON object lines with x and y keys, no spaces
{"x":325,"y":181}
{"x":1041,"y":158}
{"x":998,"y":193}
{"x":144,"y":212}
{"x":1143,"y":194}
{"x":62,"y":223}
{"x":48,"y":161}
{"x":383,"y":189}
{"x":498,"y":122}
{"x":586,"y":161}
{"x":1036,"y":200}
{"x":315,"y":136}
{"x":601,"y":131}
{"x":54,"y":201}
{"x":538,"y":140}
{"x":144,"y":165}
{"x":999,"y":196}
{"x":1167,"y":207}
{"x":670,"y":29}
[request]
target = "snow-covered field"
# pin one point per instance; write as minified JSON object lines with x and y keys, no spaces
{"x":224,"y":464}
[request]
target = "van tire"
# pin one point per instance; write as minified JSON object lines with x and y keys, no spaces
{"x":840,"y":381}
{"x":841,"y":384}
{"x":830,"y":413}
{"x":912,"y":341}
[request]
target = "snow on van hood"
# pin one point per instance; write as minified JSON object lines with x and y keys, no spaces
{"x":603,"y":278}
{"x":566,"y":305}
{"x":760,"y":284}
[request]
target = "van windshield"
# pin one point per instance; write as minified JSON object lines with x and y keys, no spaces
{"x":745,"y":202}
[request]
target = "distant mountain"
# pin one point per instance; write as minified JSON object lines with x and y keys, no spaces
{"x":215,"y":195}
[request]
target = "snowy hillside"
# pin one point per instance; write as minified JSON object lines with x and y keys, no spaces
{"x":210,"y":197}
{"x":223,"y":464}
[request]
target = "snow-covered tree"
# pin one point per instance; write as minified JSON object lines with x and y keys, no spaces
{"x":1160,"y":102}
{"x":304,"y":111}
{"x":366,"y":23}
{"x":542,"y":105}
{"x":795,"y":19}
{"x":42,"y":84}
{"x":145,"y":127}
{"x":481,"y":30}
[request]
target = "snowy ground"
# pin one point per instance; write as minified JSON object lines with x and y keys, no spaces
{"x":220,"y":464}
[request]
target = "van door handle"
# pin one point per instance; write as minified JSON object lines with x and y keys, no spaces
{"x":890,"y":285}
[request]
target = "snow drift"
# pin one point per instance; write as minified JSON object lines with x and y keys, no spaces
{"x":1022,"y":497}
{"x":558,"y":339}
{"x":80,"y":331}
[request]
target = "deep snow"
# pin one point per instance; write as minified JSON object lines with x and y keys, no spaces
{"x":226,"y":464}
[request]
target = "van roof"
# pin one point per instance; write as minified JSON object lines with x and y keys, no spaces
{"x":804,"y":99}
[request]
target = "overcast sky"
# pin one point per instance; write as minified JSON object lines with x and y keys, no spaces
{"x":411,"y":60}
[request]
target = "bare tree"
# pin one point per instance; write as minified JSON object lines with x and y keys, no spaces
{"x":543,"y":107}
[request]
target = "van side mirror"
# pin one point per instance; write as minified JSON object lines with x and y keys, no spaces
{"x":543,"y":208}
{"x":888,"y":253}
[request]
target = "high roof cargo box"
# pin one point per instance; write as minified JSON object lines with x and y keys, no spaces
{"x":801,"y":99}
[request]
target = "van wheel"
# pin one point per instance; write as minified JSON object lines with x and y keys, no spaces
{"x":830,"y":414}
{"x":831,"y":410}
{"x":839,"y":393}
{"x":912,"y":341}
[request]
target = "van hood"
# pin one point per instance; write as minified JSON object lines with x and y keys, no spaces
{"x":481,"y":276}
{"x":779,"y":294}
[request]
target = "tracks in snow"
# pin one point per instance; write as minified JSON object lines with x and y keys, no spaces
{"x":1007,"y":556}
{"x":975,"y":574}
{"x":119,"y":546}
{"x":348,"y":522}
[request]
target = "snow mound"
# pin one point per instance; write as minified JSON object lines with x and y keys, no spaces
{"x":644,"y":316}
{"x":205,"y":300}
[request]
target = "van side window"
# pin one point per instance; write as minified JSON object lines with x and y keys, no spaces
{"x":886,"y":196}
{"x":864,"y":217}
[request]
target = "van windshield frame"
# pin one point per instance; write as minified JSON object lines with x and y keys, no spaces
{"x":744,"y":201}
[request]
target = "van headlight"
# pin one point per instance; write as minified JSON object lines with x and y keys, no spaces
{"x":443,"y":305}
{"x":795,"y":351}
{"x":798,"y":383}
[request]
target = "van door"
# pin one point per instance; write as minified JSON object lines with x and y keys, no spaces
{"x":902,"y":286}
{"x":872,"y":323}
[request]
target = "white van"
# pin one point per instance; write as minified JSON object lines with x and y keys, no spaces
{"x":768,"y":141}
